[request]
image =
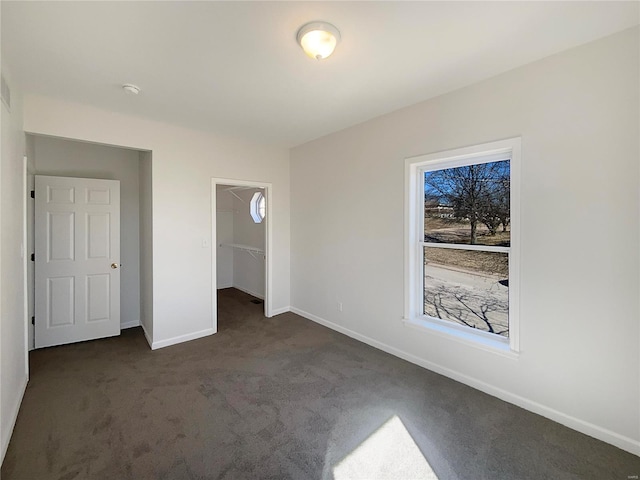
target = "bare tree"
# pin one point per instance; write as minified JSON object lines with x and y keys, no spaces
{"x":476,"y":193}
{"x":504,"y":202}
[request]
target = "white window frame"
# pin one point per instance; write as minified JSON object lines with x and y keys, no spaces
{"x":414,"y":243}
{"x":257,"y":213}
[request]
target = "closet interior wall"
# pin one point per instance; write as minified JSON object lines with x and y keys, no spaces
{"x":239,"y":267}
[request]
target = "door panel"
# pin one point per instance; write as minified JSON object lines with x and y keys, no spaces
{"x":98,"y":196}
{"x":61,"y":301}
{"x":60,"y":195}
{"x":77,"y":233}
{"x":98,"y":239}
{"x":61,"y":235}
{"x":97,"y":297}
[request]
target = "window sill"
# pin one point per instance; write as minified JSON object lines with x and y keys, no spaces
{"x":460,"y":335}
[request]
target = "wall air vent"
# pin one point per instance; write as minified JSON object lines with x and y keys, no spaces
{"x":6,"y":94}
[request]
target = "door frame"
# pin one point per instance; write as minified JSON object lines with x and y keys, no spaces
{"x":268,"y":292}
{"x":26,"y":258}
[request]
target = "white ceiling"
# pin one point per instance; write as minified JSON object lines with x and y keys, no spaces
{"x":235,"y":67}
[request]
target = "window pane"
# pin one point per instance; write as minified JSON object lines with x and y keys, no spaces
{"x":468,"y":204}
{"x":467,"y":287}
{"x":257,"y":207}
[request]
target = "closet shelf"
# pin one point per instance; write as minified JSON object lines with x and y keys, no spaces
{"x":245,"y":248}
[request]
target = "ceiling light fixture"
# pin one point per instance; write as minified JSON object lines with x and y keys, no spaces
{"x":318,"y":39}
{"x":132,"y":89}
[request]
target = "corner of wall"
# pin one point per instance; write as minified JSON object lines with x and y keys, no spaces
{"x":13,"y":341}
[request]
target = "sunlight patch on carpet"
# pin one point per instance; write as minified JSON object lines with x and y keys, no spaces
{"x":388,"y":453}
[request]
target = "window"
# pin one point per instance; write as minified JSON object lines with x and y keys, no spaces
{"x":462,"y":242}
{"x":258,"y":207}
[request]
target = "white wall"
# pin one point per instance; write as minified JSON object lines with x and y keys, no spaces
{"x":67,"y":158}
{"x":224,"y":235}
{"x":13,"y":324}
{"x":146,"y":244}
{"x":184,"y":161}
{"x":248,"y":270}
{"x":577,"y":113}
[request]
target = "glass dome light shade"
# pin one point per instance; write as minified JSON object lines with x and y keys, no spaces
{"x":318,"y":39}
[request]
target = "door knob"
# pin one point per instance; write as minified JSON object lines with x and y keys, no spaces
{"x":114,"y":265}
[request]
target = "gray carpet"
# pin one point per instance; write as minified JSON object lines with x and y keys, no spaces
{"x":277,"y":398}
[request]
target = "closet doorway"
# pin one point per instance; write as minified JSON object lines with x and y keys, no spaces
{"x":241,"y":234}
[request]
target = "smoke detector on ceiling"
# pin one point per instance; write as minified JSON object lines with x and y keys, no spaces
{"x":131,"y":89}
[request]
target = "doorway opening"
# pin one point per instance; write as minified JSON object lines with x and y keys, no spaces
{"x":241,"y":232}
{"x":62,"y":157}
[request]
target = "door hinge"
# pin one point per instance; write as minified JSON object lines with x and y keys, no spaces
{"x":33,"y":194}
{"x":33,"y":320}
{"x":33,"y":257}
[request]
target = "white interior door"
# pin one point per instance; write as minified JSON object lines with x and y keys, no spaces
{"x":77,"y":259}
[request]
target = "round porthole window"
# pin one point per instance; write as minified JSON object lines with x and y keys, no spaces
{"x":258,"y":207}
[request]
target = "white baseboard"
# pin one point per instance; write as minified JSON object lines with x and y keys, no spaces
{"x":11,"y":421}
{"x":182,"y":338}
{"x":220,"y":286}
{"x":131,"y":324}
{"x":278,"y":311}
{"x":254,"y":294}
{"x":147,"y":336}
{"x":608,"y":436}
